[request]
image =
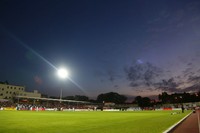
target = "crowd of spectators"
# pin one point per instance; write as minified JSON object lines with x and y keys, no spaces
{"x":7,"y":104}
{"x":46,"y":106}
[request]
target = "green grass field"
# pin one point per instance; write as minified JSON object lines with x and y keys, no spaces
{"x":87,"y":122}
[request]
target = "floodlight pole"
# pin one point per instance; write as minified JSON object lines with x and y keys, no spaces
{"x":62,"y":73}
{"x":60,"y":95}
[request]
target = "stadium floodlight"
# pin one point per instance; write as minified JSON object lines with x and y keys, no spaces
{"x":63,"y":74}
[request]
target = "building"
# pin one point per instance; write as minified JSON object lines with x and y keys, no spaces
{"x":8,"y":91}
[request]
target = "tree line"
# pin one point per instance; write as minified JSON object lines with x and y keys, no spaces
{"x":163,"y":98}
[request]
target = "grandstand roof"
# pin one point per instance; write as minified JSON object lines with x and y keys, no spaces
{"x":51,"y":99}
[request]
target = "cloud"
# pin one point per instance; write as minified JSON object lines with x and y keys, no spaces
{"x":164,"y":14}
{"x":109,"y":75}
{"x":193,"y":88}
{"x":167,"y":85}
{"x":99,"y":73}
{"x":177,"y":16}
{"x":187,"y":81}
{"x":132,"y":84}
{"x":195,"y":79}
{"x":193,"y":6}
{"x":116,"y":87}
{"x":171,"y":20}
{"x":188,"y":72}
{"x":142,"y":74}
{"x":189,"y":64}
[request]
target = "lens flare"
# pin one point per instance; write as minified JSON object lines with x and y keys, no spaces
{"x":63,"y":73}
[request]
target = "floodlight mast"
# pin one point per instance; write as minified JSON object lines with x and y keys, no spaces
{"x":60,"y":94}
{"x":63,"y":74}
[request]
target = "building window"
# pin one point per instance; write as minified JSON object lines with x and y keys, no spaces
{"x":2,"y":89}
{"x":8,"y":87}
{"x":10,"y":92}
{"x":6,"y":92}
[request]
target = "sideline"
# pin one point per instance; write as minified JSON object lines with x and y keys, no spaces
{"x":173,"y":126}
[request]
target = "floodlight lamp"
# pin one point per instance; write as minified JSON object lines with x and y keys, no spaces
{"x":63,"y":73}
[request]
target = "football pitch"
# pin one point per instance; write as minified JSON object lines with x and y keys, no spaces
{"x":87,"y":122}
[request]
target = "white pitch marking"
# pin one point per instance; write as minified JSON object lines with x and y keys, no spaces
{"x":198,"y":120}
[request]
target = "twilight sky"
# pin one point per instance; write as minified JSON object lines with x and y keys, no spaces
{"x":132,"y":47}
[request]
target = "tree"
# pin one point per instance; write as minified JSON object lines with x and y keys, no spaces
{"x":81,"y":98}
{"x":111,"y":97}
{"x":179,"y":97}
{"x":138,"y":99}
{"x":143,"y":101}
{"x":69,"y":98}
{"x":164,"y":97}
{"x":77,"y":98}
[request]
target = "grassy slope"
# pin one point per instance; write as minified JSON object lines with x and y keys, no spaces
{"x":87,"y":122}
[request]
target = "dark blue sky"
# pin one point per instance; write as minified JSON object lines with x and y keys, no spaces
{"x":136,"y":47}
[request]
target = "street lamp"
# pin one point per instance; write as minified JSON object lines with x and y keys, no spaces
{"x":63,"y":74}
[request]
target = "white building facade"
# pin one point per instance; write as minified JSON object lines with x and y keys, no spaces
{"x":8,"y":91}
